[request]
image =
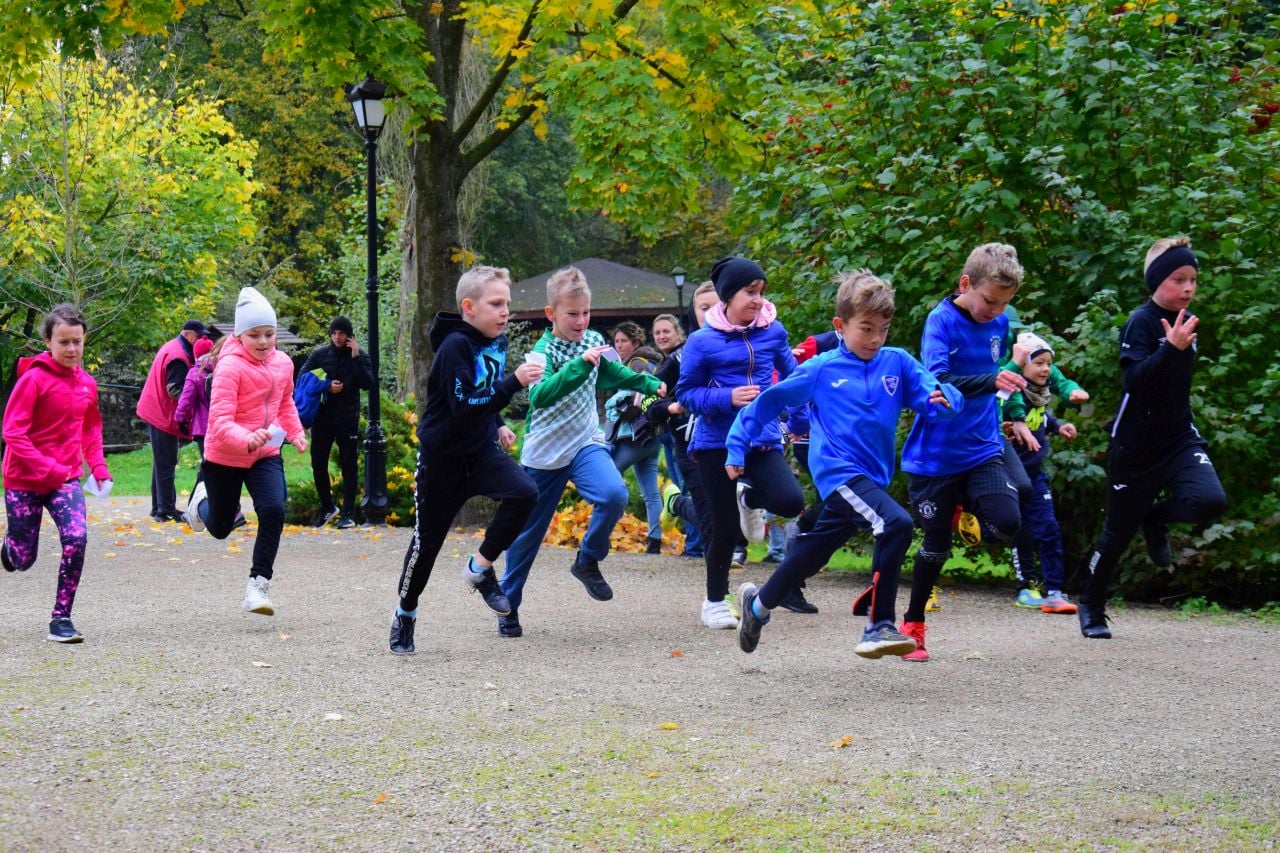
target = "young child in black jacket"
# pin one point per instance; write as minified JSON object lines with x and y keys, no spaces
{"x":462,"y":444}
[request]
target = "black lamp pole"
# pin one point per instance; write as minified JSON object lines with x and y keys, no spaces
{"x":366,"y":100}
{"x":677,"y":275}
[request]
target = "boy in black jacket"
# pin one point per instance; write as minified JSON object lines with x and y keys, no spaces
{"x":1154,"y":442}
{"x":462,"y":444}
{"x":347,"y":371}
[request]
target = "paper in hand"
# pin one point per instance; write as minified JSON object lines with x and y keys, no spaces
{"x":98,"y":490}
{"x":611,"y":354}
{"x":277,"y":436}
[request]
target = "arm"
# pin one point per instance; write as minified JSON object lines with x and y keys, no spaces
{"x":783,"y":360}
{"x":1014,"y":408}
{"x":693,"y":390}
{"x":222,"y":410}
{"x":312,"y":362}
{"x":19,"y":420}
{"x":464,"y":397}
{"x":921,"y":386}
{"x":763,"y":411}
{"x":189,"y":397}
{"x":615,"y":374}
{"x":1146,"y":359}
{"x":1063,"y":387}
{"x":175,"y":377}
{"x":294,"y":432}
{"x":560,"y":384}
{"x":362,"y":371}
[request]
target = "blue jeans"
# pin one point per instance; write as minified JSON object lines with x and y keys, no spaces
{"x":668,"y":442}
{"x":644,"y":458}
{"x":598,"y":481}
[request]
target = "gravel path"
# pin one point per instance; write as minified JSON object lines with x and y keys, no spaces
{"x":183,"y":722}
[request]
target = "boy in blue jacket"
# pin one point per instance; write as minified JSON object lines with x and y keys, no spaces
{"x":856,"y":394}
{"x":462,"y":445}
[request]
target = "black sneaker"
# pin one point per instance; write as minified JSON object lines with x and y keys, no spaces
{"x":509,"y":625}
{"x":239,"y":520}
{"x":175,"y":515}
{"x":1093,"y":620}
{"x":346,"y":522}
{"x":738,"y":559}
{"x":486,"y":583}
{"x":402,"y":634}
{"x":587,"y":570}
{"x":797,"y":603}
{"x":749,"y":624}
{"x":62,"y":631}
{"x":1158,"y":550}
{"x":654,"y":546}
{"x":324,"y":516}
{"x":4,"y":556}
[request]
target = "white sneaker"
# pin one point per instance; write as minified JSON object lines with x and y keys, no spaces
{"x":255,"y":596}
{"x":198,"y":494}
{"x":715,"y":614}
{"x":751,"y":520}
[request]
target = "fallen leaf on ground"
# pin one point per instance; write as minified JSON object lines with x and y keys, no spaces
{"x":847,"y":740}
{"x":668,"y":727}
{"x":332,"y":717}
{"x":676,"y":653}
{"x":282,"y":635}
{"x":262,"y":664}
{"x":380,"y":799}
{"x":489,"y":685}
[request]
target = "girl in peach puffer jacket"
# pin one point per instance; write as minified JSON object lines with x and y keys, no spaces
{"x":251,"y":414}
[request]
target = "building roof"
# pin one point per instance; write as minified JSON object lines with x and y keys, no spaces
{"x":283,"y":335}
{"x":617,"y":290}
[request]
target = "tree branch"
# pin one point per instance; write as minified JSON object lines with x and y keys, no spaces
{"x":499,"y":77}
{"x":473,"y":157}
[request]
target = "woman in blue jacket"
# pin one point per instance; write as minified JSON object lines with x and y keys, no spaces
{"x":726,"y":364}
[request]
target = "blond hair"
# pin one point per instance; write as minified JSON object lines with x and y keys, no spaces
{"x":996,"y":263}
{"x":863,"y":292}
{"x":566,"y":284}
{"x":1161,"y":246}
{"x":703,"y":288}
{"x":670,"y":318}
{"x":475,"y":280}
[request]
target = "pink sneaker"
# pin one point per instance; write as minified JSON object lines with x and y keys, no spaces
{"x":915,"y":630}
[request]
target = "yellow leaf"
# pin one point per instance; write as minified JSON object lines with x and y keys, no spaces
{"x":668,"y":727}
{"x":380,"y":799}
{"x":676,"y":653}
{"x":845,"y":741}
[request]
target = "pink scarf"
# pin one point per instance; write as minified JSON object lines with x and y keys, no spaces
{"x":717,"y":319}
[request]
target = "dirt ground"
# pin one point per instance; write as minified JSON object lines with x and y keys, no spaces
{"x":183,"y":722}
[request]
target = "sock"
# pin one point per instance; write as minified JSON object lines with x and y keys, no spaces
{"x":761,"y":612}
{"x":412,"y":614}
{"x":472,"y":567}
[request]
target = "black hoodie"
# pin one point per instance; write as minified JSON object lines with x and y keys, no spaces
{"x":465,"y":389}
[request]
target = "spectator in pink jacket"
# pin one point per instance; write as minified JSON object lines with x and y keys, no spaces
{"x":192,"y":413}
{"x":251,"y":414}
{"x":51,"y":428}
{"x":156,"y":406}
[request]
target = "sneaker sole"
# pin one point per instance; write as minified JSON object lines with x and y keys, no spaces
{"x":875,"y":651}
{"x":261,"y":610}
{"x":467,"y":575}
{"x":65,"y":640}
{"x":403,"y":652}
{"x":912,"y":658}
{"x":1028,"y":606}
{"x":1069,"y":609}
{"x":590,"y":591}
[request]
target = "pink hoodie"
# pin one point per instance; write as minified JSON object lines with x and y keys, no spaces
{"x":248,"y":395}
{"x":51,"y":426}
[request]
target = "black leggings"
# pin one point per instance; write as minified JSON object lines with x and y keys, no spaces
{"x":773,"y":488}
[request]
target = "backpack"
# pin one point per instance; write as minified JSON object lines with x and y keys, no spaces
{"x":308,"y":394}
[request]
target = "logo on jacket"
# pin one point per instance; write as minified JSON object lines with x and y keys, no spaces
{"x":890,"y":384}
{"x":995,"y":349}
{"x":839,"y":382}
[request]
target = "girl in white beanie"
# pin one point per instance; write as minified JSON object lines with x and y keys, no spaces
{"x":251,"y":414}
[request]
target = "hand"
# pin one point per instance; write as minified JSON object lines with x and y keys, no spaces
{"x":507,"y":436}
{"x":1022,"y":435}
{"x":798,"y":351}
{"x":1020,"y":354}
{"x":1067,"y":431}
{"x":662,"y":389}
{"x":104,"y":488}
{"x":938,"y":398}
{"x":258,"y":438}
{"x":351,"y":345}
{"x":744,"y":394}
{"x":1182,"y":333}
{"x":335,"y":387}
{"x":674,"y":408}
{"x":529,"y":373}
{"x":1078,"y":396}
{"x":734,"y":471}
{"x":592,"y":355}
{"x":301,"y":443}
{"x":1007,"y":380}
{"x":1007,"y":428}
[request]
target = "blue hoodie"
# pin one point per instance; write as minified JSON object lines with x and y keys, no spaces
{"x":714,"y":363}
{"x":967,"y":354}
{"x":854,"y":410}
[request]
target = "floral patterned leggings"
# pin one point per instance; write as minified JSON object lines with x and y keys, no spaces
{"x":66,"y":508}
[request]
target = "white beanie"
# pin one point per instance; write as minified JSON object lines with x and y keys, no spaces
{"x":1033,"y":344}
{"x":252,"y":310}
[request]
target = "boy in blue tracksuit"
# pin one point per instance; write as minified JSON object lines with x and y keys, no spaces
{"x":856,"y":393}
{"x":959,"y":461}
{"x":726,"y":364}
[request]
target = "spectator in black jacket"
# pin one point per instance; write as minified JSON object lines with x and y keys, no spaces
{"x":347,"y":371}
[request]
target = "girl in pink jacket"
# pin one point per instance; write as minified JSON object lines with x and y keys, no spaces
{"x":51,"y":427}
{"x":251,"y":414}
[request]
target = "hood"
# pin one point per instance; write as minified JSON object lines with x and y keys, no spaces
{"x":43,"y":360}
{"x":448,"y":321}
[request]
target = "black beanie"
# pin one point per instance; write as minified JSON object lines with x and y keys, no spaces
{"x":342,"y":324}
{"x":731,"y":274}
{"x":1162,"y":266}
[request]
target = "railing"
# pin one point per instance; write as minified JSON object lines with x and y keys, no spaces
{"x":122,"y":429}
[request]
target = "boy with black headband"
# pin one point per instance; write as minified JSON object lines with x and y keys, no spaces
{"x":1154,"y":442}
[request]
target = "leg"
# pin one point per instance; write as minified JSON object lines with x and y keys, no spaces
{"x":22,"y":541}
{"x":66,"y":508}
{"x":222,"y":498}
{"x":164,"y":463}
{"x":674,"y":473}
{"x":598,"y":481}
{"x":646,"y":469}
{"x":322,"y":438}
{"x":550,"y":485}
{"x":722,"y":500}
{"x":1196,"y":495}
{"x":994,"y":500}
{"x":265,"y":482}
{"x":1041,"y":523}
{"x":811,"y":550}
{"x":349,"y":462}
{"x":441,"y":491}
{"x":773,"y":486}
{"x":497,"y":476}
{"x":932,"y":500}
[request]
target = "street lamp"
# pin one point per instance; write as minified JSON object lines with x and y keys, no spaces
{"x":366,"y":100}
{"x":677,"y":275}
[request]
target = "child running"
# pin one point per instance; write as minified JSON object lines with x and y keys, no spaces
{"x":251,"y":414}
{"x":726,"y":364}
{"x":52,"y":426}
{"x":563,"y":441}
{"x":1155,"y":445}
{"x":958,"y":461}
{"x":856,"y":394}
{"x":462,"y":445}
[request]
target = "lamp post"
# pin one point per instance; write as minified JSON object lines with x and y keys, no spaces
{"x":366,"y":100}
{"x":677,"y":275}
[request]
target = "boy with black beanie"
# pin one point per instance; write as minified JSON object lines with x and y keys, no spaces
{"x":1155,"y":445}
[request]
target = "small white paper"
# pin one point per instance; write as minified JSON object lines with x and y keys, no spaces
{"x":98,"y":490}
{"x":611,"y":354}
{"x":538,"y":358}
{"x":277,"y":436}
{"x":1003,"y":395}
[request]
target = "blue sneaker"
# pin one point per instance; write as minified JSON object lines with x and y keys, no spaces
{"x":4,"y":556}
{"x":485,"y":582}
{"x":1028,"y":598}
{"x":883,"y":639}
{"x":402,"y":634}
{"x":62,"y":631}
{"x":509,"y":625}
{"x":749,"y":624}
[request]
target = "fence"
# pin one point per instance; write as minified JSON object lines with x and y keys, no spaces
{"x":122,"y":429}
